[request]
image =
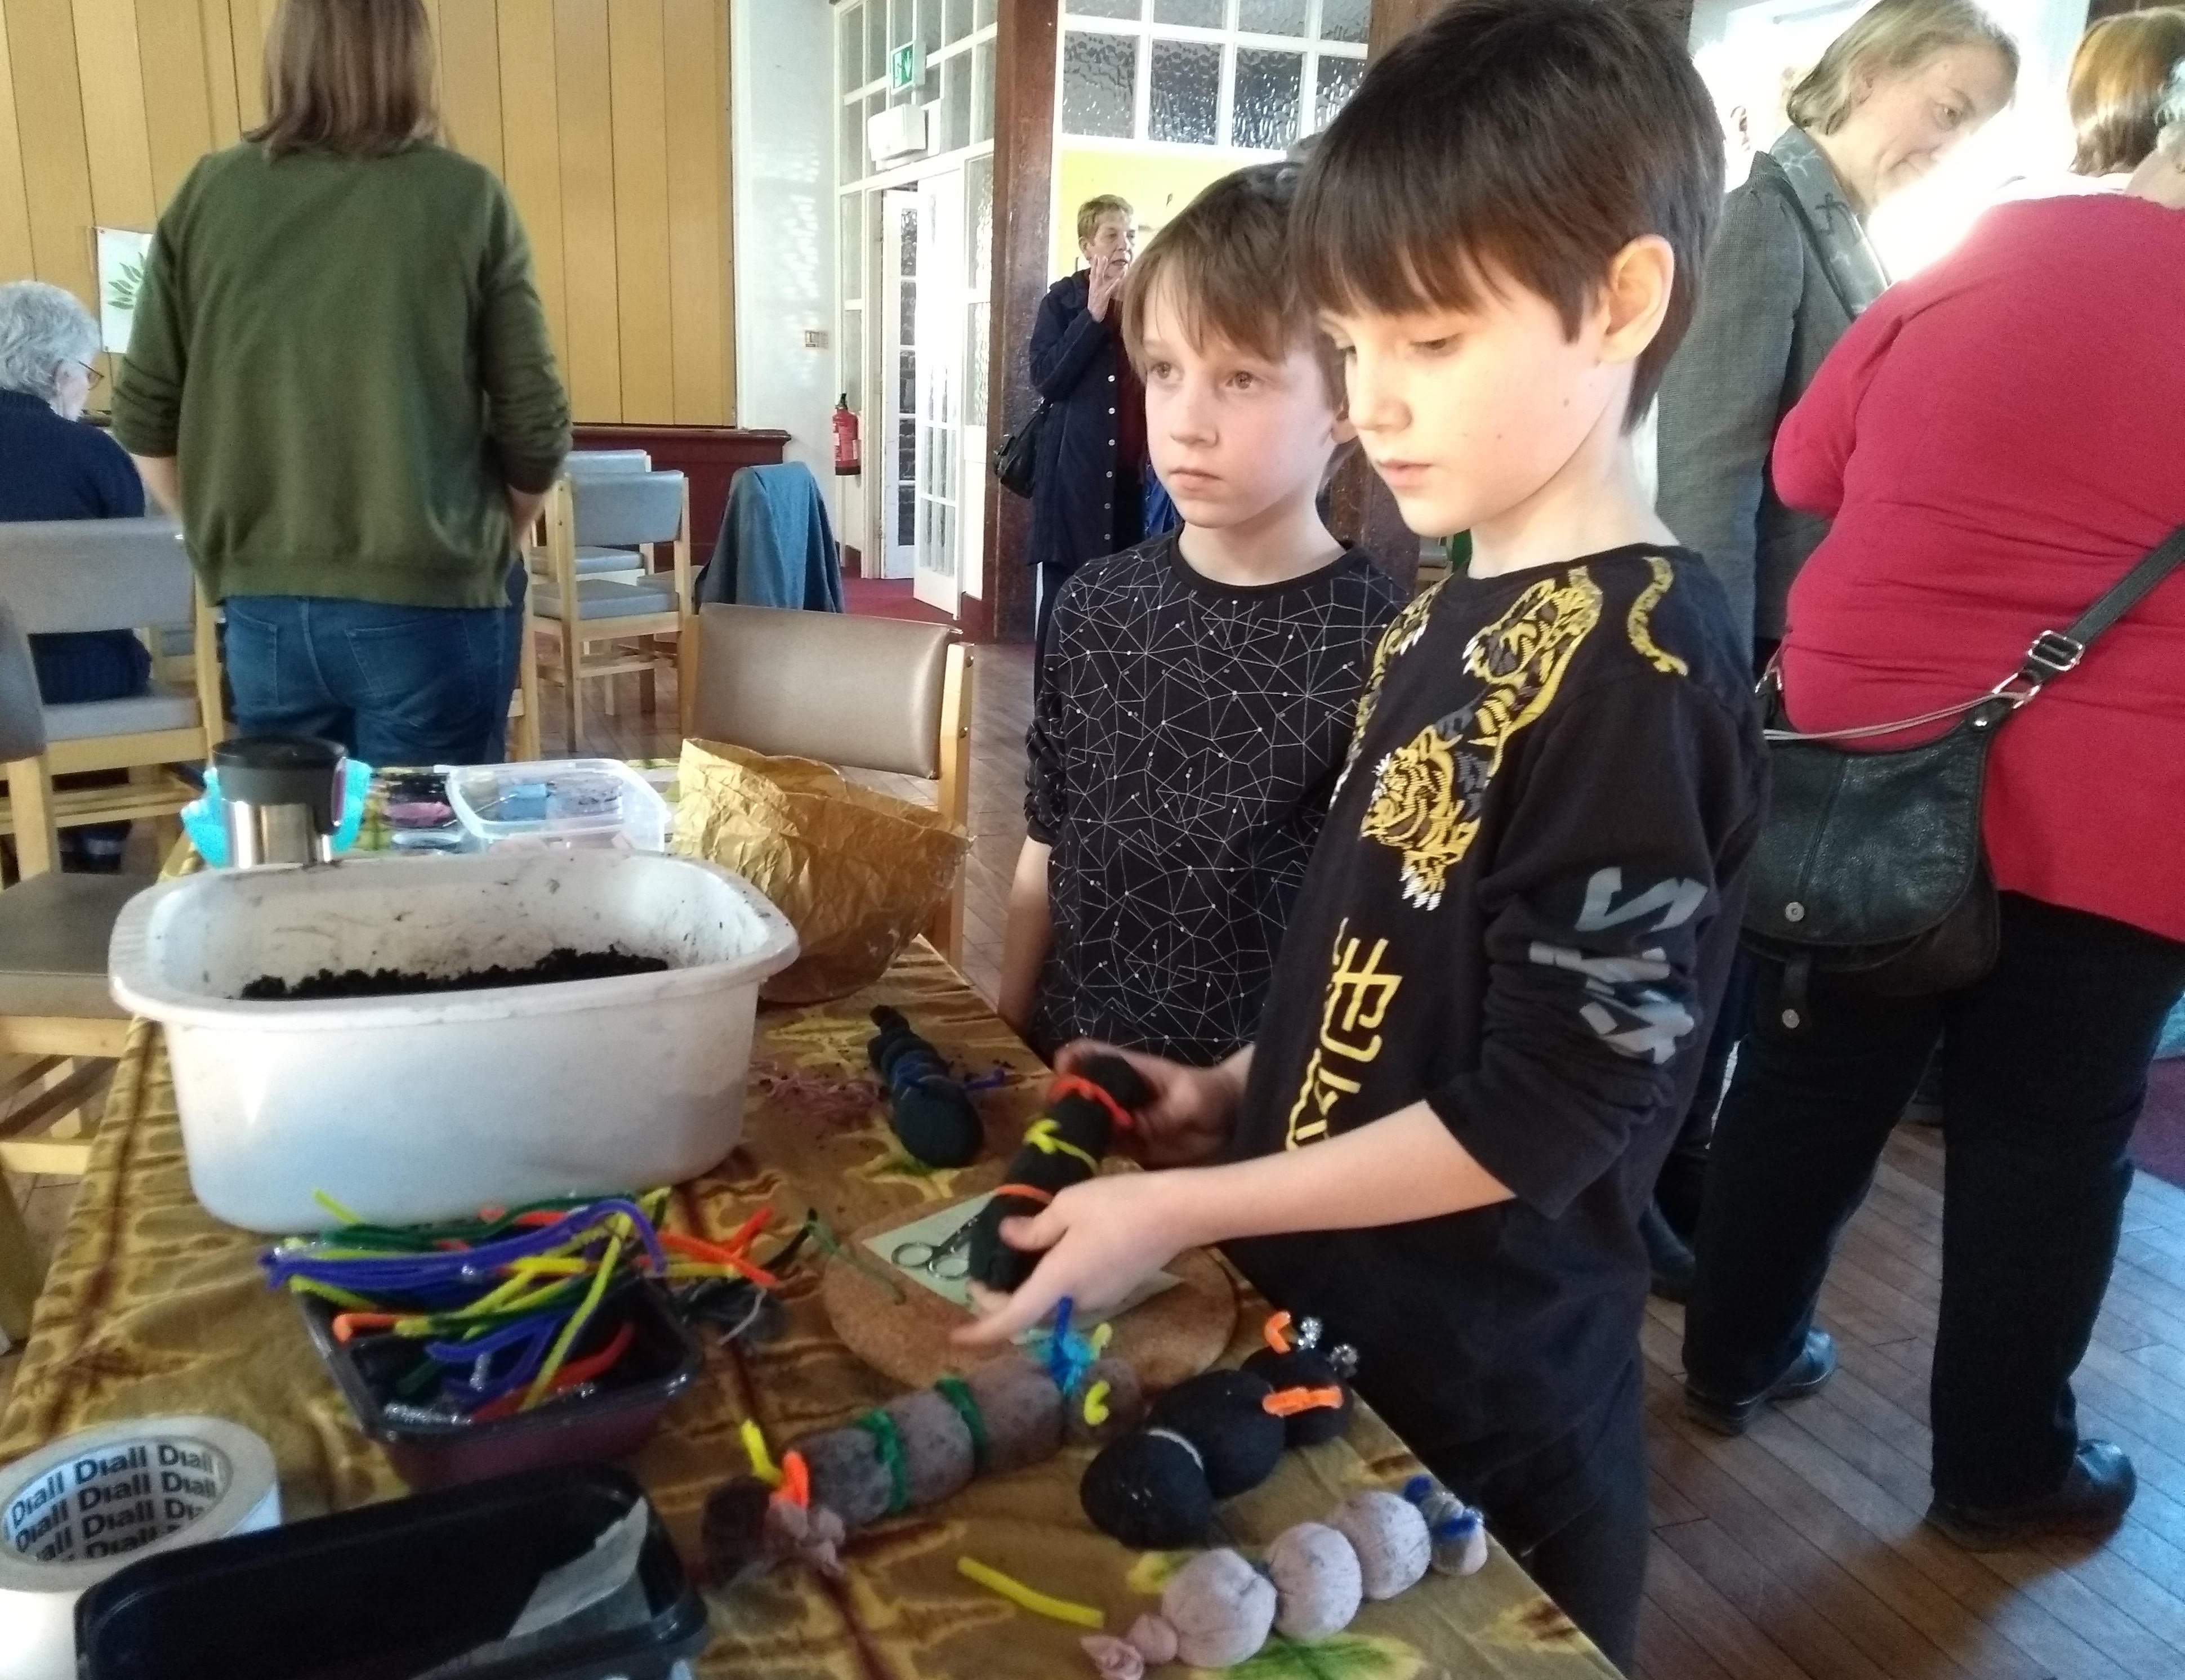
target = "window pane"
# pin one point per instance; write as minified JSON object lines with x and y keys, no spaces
{"x":874,"y":104}
{"x":978,"y":223}
{"x":982,"y":103}
{"x":1198,"y":13}
{"x":1266,"y":111}
{"x":1270,"y":17}
{"x":1338,"y":80}
{"x":1186,"y":93}
{"x":853,"y":358}
{"x":928,"y":25}
{"x":902,"y":22}
{"x":851,"y":255}
{"x":876,"y":40}
{"x":849,"y":49}
{"x":1099,"y":74}
{"x":853,"y":140}
{"x":959,"y":20}
{"x":956,"y":74}
{"x":1345,"y":19}
{"x":986,"y":13}
{"x":975,"y":369}
{"x":1105,"y":8}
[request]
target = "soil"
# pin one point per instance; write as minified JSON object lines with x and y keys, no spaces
{"x":562,"y":963}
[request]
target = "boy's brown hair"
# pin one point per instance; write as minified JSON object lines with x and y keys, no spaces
{"x":1516,"y":141}
{"x":1229,"y":274}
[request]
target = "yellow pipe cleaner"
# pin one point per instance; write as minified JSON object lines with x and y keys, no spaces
{"x":1026,"y":1598}
{"x":762,"y":1461}
{"x":1096,"y":1404}
{"x":1044,"y":1135}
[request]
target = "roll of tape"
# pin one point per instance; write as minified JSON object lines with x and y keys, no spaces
{"x":86,"y":1507}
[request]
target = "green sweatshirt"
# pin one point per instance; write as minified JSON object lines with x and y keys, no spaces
{"x":350,"y":357}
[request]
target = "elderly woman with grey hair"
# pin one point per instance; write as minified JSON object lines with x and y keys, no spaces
{"x":53,"y":466}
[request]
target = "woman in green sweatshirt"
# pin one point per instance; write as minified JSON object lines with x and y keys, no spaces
{"x":339,"y":377}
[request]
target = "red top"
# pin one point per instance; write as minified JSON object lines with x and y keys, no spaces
{"x":1997,"y":440}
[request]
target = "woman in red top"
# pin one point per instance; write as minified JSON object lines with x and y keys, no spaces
{"x":1997,"y":442}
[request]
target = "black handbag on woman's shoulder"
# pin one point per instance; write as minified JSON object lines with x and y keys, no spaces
{"x":1016,"y":459}
{"x":1871,"y":866}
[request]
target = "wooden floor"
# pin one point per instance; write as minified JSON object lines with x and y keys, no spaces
{"x":1796,"y":1553}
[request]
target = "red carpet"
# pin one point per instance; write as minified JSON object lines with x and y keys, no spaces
{"x":2158,"y":1145}
{"x":888,"y":598}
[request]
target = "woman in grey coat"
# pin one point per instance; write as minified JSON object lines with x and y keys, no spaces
{"x":1792,"y":268}
{"x":1790,"y":271}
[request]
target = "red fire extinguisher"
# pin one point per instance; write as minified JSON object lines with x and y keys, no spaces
{"x":846,"y":440}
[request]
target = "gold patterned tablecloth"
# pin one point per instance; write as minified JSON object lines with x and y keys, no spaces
{"x":153,"y":1306}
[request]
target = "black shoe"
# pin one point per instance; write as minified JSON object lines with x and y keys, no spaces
{"x":1815,"y":1364}
{"x":1673,"y":1263}
{"x":2098,"y":1490}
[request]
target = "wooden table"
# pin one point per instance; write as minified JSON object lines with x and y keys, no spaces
{"x":153,"y":1306}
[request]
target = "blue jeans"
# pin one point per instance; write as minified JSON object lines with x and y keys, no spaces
{"x":393,"y":684}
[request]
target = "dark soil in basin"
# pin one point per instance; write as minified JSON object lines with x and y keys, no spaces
{"x":561,"y":963}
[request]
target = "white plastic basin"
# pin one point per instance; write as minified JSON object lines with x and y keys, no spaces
{"x":409,"y":1109}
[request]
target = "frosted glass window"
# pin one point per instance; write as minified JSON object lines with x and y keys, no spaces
{"x":1099,"y":82}
{"x":1266,"y":99}
{"x":853,"y":358}
{"x":874,"y":104}
{"x":1196,"y":13}
{"x":850,"y":48}
{"x":982,"y":101}
{"x":1187,"y":92}
{"x":979,"y":202}
{"x":929,"y":25}
{"x":851,"y":255}
{"x":956,"y":75}
{"x":1338,"y":80}
{"x":902,"y":22}
{"x":975,"y":373}
{"x":1345,"y":19}
{"x":986,"y":13}
{"x":876,"y":40}
{"x":1270,"y":17}
{"x":960,"y":21}
{"x":853,"y":140}
{"x":1106,"y":8}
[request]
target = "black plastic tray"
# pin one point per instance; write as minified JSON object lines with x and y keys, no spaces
{"x":664,"y":1359}
{"x":390,"y":1590}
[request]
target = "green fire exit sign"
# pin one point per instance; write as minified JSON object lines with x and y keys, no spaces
{"x":906,"y":67}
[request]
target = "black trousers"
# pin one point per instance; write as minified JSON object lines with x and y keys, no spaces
{"x":2045,"y":1065}
{"x":1594,"y":1565}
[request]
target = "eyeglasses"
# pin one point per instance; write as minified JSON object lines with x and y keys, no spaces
{"x":92,"y":378}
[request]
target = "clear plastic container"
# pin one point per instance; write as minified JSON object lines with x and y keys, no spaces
{"x":571,"y":803}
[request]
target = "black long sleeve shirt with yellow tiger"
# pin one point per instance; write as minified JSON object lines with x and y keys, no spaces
{"x":1522,"y":910}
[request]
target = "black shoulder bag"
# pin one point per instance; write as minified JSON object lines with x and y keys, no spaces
{"x":1869,"y":865}
{"x":1016,"y":459}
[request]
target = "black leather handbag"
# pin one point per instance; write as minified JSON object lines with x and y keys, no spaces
{"x":1016,"y":461}
{"x":1871,"y":865}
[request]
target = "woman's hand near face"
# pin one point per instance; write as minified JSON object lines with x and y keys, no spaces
{"x":1107,"y":275}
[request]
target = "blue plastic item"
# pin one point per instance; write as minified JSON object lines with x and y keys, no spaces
{"x":205,"y":820}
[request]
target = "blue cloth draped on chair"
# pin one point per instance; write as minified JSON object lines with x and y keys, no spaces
{"x":776,"y":547}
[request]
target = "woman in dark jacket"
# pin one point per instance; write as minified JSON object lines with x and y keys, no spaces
{"x":1088,"y":497}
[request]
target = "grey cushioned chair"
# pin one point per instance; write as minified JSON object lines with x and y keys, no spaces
{"x":778,"y":681}
{"x":109,"y":574}
{"x":613,"y":510}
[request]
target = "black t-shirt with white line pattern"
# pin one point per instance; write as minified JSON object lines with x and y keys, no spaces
{"x":1184,"y":745}
{"x":1522,"y":912}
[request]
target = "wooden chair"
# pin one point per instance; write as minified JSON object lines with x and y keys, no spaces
{"x":613,"y":514}
{"x":109,"y":574}
{"x":867,"y":694}
{"x":60,"y":1028}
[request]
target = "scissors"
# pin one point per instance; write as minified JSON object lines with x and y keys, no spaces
{"x":949,"y":1261}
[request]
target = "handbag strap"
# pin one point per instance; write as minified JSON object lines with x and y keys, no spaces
{"x":2054,"y":652}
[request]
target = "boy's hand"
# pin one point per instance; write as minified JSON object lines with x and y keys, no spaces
{"x":1102,"y":1237}
{"x":1191,"y":1115}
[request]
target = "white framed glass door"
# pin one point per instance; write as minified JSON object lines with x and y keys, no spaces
{"x":939,"y":386}
{"x":894,"y":458}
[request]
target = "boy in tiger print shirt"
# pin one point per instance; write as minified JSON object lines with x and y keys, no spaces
{"x":1491,"y":1003}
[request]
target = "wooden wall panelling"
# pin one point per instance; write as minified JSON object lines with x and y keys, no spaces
{"x":222,"y":102}
{"x":14,"y":207}
{"x":530,"y":127}
{"x":469,"y":40}
{"x":178,"y":99}
{"x":110,"y":69}
{"x":696,"y":44}
{"x":592,"y":352}
{"x":637,"y":70}
{"x":248,"y":23}
{"x":56,"y":159}
{"x":1025,"y":51}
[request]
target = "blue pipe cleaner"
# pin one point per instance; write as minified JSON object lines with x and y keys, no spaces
{"x":1068,"y":1355}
